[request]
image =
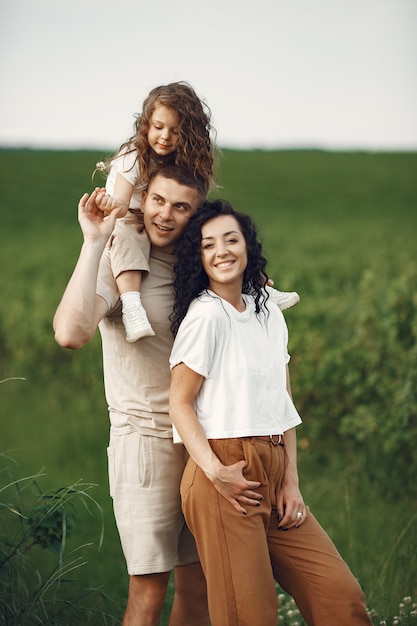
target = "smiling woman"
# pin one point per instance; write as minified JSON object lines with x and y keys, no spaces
{"x":231,"y":405}
{"x":206,"y":241}
{"x":224,"y":258}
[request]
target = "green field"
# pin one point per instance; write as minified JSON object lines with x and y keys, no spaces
{"x":339,"y":228}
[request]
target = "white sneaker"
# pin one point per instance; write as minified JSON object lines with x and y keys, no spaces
{"x":283,"y":299}
{"x":136,"y":323}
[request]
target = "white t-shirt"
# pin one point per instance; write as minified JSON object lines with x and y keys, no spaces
{"x":243,"y":359}
{"x":127,"y":165}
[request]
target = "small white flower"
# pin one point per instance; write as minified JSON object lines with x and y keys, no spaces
{"x":101,"y":166}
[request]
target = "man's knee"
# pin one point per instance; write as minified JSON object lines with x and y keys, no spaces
{"x":149,"y":585}
{"x":146,"y":596}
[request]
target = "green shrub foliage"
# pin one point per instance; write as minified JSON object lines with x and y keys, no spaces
{"x":356,"y":381}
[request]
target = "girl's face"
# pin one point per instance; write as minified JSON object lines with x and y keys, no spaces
{"x":223,"y":251}
{"x":163,"y":132}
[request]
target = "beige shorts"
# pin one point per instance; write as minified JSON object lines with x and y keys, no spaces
{"x":144,"y":476}
{"x":129,"y":245}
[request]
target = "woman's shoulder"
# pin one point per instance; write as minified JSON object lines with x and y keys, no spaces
{"x":206,"y":309}
{"x":205,"y":302}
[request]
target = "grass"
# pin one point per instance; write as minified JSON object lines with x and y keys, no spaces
{"x":326,"y":219}
{"x":39,"y":562}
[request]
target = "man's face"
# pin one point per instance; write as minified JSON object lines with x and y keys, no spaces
{"x":167,"y":206}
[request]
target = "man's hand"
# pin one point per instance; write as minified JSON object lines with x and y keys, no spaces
{"x":97,"y":214}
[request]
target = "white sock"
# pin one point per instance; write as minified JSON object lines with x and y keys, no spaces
{"x":130,"y":298}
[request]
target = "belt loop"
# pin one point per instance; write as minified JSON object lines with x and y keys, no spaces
{"x":280,"y":441}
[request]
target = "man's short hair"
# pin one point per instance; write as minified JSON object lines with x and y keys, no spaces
{"x":181,"y":176}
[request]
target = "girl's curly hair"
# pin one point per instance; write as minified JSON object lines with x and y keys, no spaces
{"x":195,"y":150}
{"x":191,"y":279}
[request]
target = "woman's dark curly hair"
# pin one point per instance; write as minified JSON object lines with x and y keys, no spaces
{"x":191,"y":279}
{"x":195,"y":150}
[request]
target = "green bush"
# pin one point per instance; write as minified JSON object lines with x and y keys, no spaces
{"x":357,"y":381}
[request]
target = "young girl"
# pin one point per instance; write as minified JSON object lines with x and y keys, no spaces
{"x":174,"y":127}
{"x":231,"y":405}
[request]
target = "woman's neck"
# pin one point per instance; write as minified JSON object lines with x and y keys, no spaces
{"x":231,"y":293}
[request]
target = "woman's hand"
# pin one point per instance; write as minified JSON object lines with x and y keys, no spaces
{"x":232,"y":485}
{"x":290,"y":506}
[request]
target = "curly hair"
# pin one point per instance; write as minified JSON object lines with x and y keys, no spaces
{"x":195,"y":149}
{"x":191,"y":279}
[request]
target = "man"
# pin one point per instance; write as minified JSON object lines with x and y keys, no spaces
{"x":145,"y":467}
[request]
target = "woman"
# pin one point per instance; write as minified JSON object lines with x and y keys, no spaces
{"x":230,"y":403}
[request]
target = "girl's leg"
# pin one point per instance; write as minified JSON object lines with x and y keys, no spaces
{"x":129,"y":255}
{"x":130,"y":280}
{"x":134,"y":316}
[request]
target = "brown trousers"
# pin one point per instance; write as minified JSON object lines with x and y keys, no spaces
{"x":242,"y":555}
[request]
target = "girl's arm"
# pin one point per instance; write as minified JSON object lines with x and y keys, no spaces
{"x":228,"y":480}
{"x":289,"y":499}
{"x":122,"y":195}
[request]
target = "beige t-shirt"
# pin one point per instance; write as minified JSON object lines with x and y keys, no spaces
{"x":137,"y":375}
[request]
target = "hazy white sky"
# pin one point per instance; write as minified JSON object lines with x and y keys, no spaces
{"x":275,"y":73}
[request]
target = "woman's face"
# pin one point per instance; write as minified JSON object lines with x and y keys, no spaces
{"x":163,"y":132}
{"x":223,"y":251}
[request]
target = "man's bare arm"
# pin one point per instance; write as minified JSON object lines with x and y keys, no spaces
{"x":80,"y":310}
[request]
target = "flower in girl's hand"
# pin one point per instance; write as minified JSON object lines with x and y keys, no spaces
{"x":100,"y":167}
